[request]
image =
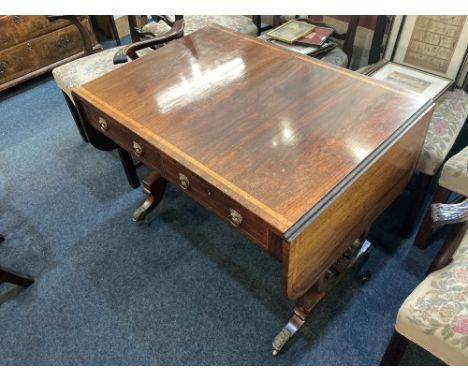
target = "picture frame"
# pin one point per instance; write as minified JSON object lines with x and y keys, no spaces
{"x":290,"y":31}
{"x":409,"y":78}
{"x":434,"y":44}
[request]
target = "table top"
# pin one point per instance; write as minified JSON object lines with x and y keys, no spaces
{"x":277,"y":131}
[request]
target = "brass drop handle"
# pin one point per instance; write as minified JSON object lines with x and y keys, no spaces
{"x":137,"y":149}
{"x":184,"y":181}
{"x":103,"y":124}
{"x":236,"y":217}
{"x":17,"y":19}
{"x":2,"y":68}
{"x":63,"y":41}
{"x":29,"y":46}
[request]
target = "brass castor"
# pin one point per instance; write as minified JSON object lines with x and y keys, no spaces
{"x":139,"y":215}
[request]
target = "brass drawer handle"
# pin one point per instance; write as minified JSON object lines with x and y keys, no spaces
{"x":2,"y":68}
{"x":103,"y":124}
{"x":236,"y":217}
{"x":184,"y":181}
{"x":63,"y":42}
{"x":29,"y":46}
{"x":17,"y":19}
{"x":137,"y":149}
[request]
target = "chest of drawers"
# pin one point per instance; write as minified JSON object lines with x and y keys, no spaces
{"x":33,"y":45}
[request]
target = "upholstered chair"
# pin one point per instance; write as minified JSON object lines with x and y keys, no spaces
{"x":453,"y":178}
{"x":237,"y":23}
{"x":449,"y":117}
{"x":435,"y":315}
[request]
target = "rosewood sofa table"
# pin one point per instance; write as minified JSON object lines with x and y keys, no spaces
{"x":297,"y":155}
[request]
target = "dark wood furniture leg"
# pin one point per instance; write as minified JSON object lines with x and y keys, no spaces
{"x":154,"y":186}
{"x":114,"y":29}
{"x":10,"y":276}
{"x":355,"y":256}
{"x":441,"y":195}
{"x":395,"y":350}
{"x":76,"y":118}
{"x":377,"y":45}
{"x":417,"y":199}
{"x":129,"y":168}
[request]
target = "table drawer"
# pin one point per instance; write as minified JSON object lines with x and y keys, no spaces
{"x":216,"y":201}
{"x":118,"y":134}
{"x":211,"y":198}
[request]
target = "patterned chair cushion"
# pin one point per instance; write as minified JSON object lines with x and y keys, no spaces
{"x":449,"y":116}
{"x":336,"y":57}
{"x":85,"y":69}
{"x":454,"y":174}
{"x":435,"y":314}
{"x":241,"y":24}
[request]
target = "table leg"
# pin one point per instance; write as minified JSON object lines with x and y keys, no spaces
{"x":354,"y":256}
{"x":153,"y":186}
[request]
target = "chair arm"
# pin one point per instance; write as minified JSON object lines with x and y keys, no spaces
{"x":175,"y":32}
{"x":138,"y":33}
{"x":449,"y":213}
{"x":75,"y":20}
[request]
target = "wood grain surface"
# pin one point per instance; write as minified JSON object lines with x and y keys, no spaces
{"x":277,"y":130}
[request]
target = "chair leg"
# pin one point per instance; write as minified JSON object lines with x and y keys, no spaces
{"x":114,"y":29}
{"x":395,"y":350}
{"x":129,"y":168}
{"x":16,"y":278}
{"x":12,"y":277}
{"x":441,"y":195}
{"x":417,"y":200}
{"x":76,"y":118}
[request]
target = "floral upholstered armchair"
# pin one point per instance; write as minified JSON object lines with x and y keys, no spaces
{"x":453,"y":178}
{"x":435,"y":315}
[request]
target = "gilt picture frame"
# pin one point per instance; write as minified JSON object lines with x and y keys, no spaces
{"x":290,"y":31}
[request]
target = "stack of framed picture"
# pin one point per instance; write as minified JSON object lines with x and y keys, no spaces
{"x":425,"y":54}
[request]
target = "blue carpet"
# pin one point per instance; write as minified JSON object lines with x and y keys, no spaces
{"x":186,"y":290}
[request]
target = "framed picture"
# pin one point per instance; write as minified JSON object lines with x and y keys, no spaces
{"x":290,"y":31}
{"x":434,"y":44}
{"x":312,"y":51}
{"x":412,"y":79}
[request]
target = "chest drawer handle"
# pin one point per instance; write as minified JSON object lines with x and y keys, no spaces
{"x":184,"y":181}
{"x":137,"y":149}
{"x":63,"y":42}
{"x":103,"y":124}
{"x":236,"y":217}
{"x":17,"y":19}
{"x":2,"y":68}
